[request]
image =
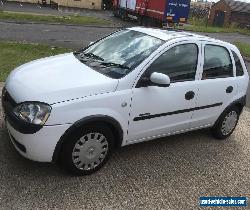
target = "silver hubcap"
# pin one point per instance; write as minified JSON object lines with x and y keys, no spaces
{"x":90,"y":151}
{"x":229,"y":123}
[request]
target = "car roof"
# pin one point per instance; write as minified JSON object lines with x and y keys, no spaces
{"x":167,"y":35}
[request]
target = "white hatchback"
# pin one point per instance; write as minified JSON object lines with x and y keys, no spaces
{"x":134,"y":85}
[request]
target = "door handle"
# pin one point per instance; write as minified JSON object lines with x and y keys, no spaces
{"x":189,"y":95}
{"x":229,"y":89}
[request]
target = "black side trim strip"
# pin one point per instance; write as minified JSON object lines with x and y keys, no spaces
{"x":175,"y":112}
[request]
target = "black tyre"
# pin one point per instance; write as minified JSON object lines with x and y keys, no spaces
{"x":87,"y":150}
{"x":226,"y":124}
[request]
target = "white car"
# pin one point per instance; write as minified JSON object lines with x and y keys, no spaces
{"x":134,"y":85}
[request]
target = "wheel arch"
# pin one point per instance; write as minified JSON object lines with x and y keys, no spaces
{"x":240,"y":103}
{"x":107,"y":120}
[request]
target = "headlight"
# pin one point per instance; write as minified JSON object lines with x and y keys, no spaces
{"x":33,"y":112}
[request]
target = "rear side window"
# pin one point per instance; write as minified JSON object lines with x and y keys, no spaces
{"x":217,"y":63}
{"x":239,"y":68}
{"x":179,"y":63}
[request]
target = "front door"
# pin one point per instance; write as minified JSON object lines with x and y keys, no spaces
{"x":158,"y":111}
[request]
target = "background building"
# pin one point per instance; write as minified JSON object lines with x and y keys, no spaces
{"x":226,"y":12}
{"x":88,"y":4}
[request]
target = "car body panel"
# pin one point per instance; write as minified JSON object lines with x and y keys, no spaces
{"x":114,"y":104}
{"x":56,"y":79}
{"x":76,"y":92}
{"x":159,"y":100}
{"x":39,"y":146}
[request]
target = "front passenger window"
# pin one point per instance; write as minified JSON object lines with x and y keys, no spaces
{"x":217,"y":63}
{"x":179,"y":63}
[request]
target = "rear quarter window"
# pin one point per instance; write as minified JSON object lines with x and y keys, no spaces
{"x":238,"y":65}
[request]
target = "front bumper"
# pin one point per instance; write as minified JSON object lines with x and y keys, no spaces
{"x":39,"y":146}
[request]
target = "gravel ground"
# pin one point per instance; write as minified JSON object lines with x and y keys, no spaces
{"x":169,"y":173}
{"x":1,"y":114}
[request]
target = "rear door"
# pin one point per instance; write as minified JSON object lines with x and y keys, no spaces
{"x":217,"y":86}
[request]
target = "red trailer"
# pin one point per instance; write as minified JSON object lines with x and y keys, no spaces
{"x":152,"y":12}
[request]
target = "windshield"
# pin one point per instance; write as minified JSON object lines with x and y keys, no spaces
{"x":119,"y":53}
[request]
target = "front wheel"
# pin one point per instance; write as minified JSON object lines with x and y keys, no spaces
{"x":226,"y":123}
{"x":88,"y":149}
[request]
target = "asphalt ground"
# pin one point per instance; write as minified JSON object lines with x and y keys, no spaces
{"x":77,"y":36}
{"x":74,"y":37}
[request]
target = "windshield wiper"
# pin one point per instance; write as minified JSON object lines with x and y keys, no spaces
{"x":108,"y":64}
{"x":91,"y":55}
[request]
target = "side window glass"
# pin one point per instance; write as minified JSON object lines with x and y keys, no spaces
{"x":217,"y":63}
{"x":179,"y":63}
{"x":239,"y":68}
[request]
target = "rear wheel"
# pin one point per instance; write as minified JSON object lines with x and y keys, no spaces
{"x":88,"y":149}
{"x":226,"y":123}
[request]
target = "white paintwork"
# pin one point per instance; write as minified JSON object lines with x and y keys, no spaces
{"x":156,"y":100}
{"x":166,"y":35}
{"x":75,"y":91}
{"x":160,"y":79}
{"x":57,"y":79}
{"x":40,"y":146}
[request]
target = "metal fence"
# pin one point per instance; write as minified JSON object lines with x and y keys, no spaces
{"x":199,"y":13}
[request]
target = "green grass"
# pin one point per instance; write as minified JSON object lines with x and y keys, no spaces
{"x":244,"y":31}
{"x":200,"y":25}
{"x":13,"y":54}
{"x":70,"y":19}
{"x":211,"y":29}
{"x":208,"y":29}
{"x":244,"y":48}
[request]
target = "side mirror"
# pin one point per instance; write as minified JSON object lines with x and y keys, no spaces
{"x":161,"y":80}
